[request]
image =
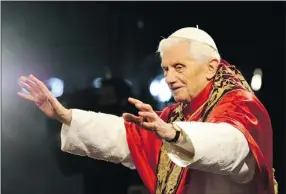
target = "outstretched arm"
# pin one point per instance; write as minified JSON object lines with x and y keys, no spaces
{"x":96,"y":135}
{"x":218,"y":148}
{"x":85,"y":133}
{"x":214,"y":146}
{"x":230,"y":142}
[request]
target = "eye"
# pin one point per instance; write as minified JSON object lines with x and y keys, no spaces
{"x":179,"y":66}
{"x":165,"y":69}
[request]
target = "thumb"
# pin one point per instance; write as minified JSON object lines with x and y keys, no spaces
{"x":131,"y":118}
{"x":54,"y":102}
{"x":59,"y":109}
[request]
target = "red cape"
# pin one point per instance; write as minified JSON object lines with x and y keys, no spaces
{"x":239,"y":108}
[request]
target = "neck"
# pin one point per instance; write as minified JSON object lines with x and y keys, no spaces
{"x":199,"y":89}
{"x":198,"y":100}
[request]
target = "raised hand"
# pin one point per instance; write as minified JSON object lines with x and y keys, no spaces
{"x":149,"y":120}
{"x":43,"y":98}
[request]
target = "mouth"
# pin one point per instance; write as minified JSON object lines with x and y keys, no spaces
{"x":175,"y":89}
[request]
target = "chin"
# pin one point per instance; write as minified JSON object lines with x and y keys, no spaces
{"x":180,"y":99}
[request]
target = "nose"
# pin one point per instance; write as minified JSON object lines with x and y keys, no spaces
{"x":170,"y":77}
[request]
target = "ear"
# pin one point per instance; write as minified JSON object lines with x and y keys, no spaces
{"x":212,"y":68}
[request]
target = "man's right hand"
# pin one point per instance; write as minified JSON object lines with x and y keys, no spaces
{"x":43,"y":98}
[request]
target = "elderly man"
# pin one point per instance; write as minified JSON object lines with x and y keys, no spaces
{"x":217,"y":138}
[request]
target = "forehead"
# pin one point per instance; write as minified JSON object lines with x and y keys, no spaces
{"x":176,"y":53}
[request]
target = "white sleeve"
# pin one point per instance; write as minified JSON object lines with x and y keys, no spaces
{"x":215,"y":147}
{"x":96,"y":135}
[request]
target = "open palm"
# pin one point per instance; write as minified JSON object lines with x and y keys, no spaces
{"x":41,"y":96}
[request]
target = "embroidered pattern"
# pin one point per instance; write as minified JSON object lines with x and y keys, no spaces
{"x":169,"y":175}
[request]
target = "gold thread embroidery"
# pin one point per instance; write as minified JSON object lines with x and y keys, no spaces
{"x":227,"y":79}
{"x":164,"y":169}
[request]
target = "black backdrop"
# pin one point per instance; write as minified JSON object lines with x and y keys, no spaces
{"x":78,"y":41}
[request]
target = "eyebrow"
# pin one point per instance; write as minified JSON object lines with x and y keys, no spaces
{"x":173,"y":63}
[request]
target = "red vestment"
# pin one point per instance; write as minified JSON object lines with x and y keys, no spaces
{"x":238,"y":106}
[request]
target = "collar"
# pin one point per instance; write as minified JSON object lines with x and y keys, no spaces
{"x":198,"y":101}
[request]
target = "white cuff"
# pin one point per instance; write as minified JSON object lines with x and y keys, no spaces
{"x":218,"y":147}
{"x":97,"y":135}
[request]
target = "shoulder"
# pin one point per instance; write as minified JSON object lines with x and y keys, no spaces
{"x":239,"y":94}
{"x":241,"y":103}
{"x":242,"y":97}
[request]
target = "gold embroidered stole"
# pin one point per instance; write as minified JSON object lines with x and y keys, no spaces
{"x":169,"y":175}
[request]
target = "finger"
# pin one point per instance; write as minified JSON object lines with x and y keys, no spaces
{"x":40,"y":84}
{"x":30,"y":83}
{"x":55,"y":103}
{"x":149,"y":126}
{"x":134,"y":101}
{"x":150,"y":116}
{"x":26,"y":86}
{"x":23,"y":78}
{"x":26,"y":96}
{"x":131,"y":118}
{"x":144,"y":107}
{"x":140,"y":105}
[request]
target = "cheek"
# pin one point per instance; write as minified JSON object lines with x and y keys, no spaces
{"x":194,"y":76}
{"x":182,"y":78}
{"x":188,"y":80}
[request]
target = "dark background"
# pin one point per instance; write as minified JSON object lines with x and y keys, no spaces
{"x":79,"y":41}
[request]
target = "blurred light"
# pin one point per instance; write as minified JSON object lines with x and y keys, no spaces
{"x":140,"y":24}
{"x":97,"y":82}
{"x":257,"y":71}
{"x":256,"y":81}
{"x":164,"y":91}
{"x":24,"y":91}
{"x":160,"y":90}
{"x":128,"y":82}
{"x":154,"y":88}
{"x":57,"y":86}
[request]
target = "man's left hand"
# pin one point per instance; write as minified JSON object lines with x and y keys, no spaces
{"x":149,"y":120}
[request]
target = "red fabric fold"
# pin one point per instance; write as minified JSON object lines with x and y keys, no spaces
{"x":238,"y":107}
{"x":144,"y":148}
{"x":245,"y":112}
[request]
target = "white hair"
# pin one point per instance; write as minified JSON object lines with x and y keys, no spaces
{"x":199,"y":51}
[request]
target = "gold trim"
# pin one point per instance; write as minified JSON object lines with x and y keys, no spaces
{"x":227,"y":79}
{"x":167,"y":171}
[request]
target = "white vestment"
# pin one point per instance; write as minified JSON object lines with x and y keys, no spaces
{"x":222,"y":156}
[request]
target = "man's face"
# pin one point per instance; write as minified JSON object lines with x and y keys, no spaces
{"x":185,"y":76}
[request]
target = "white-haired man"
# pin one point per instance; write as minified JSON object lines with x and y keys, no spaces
{"x":217,"y":138}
